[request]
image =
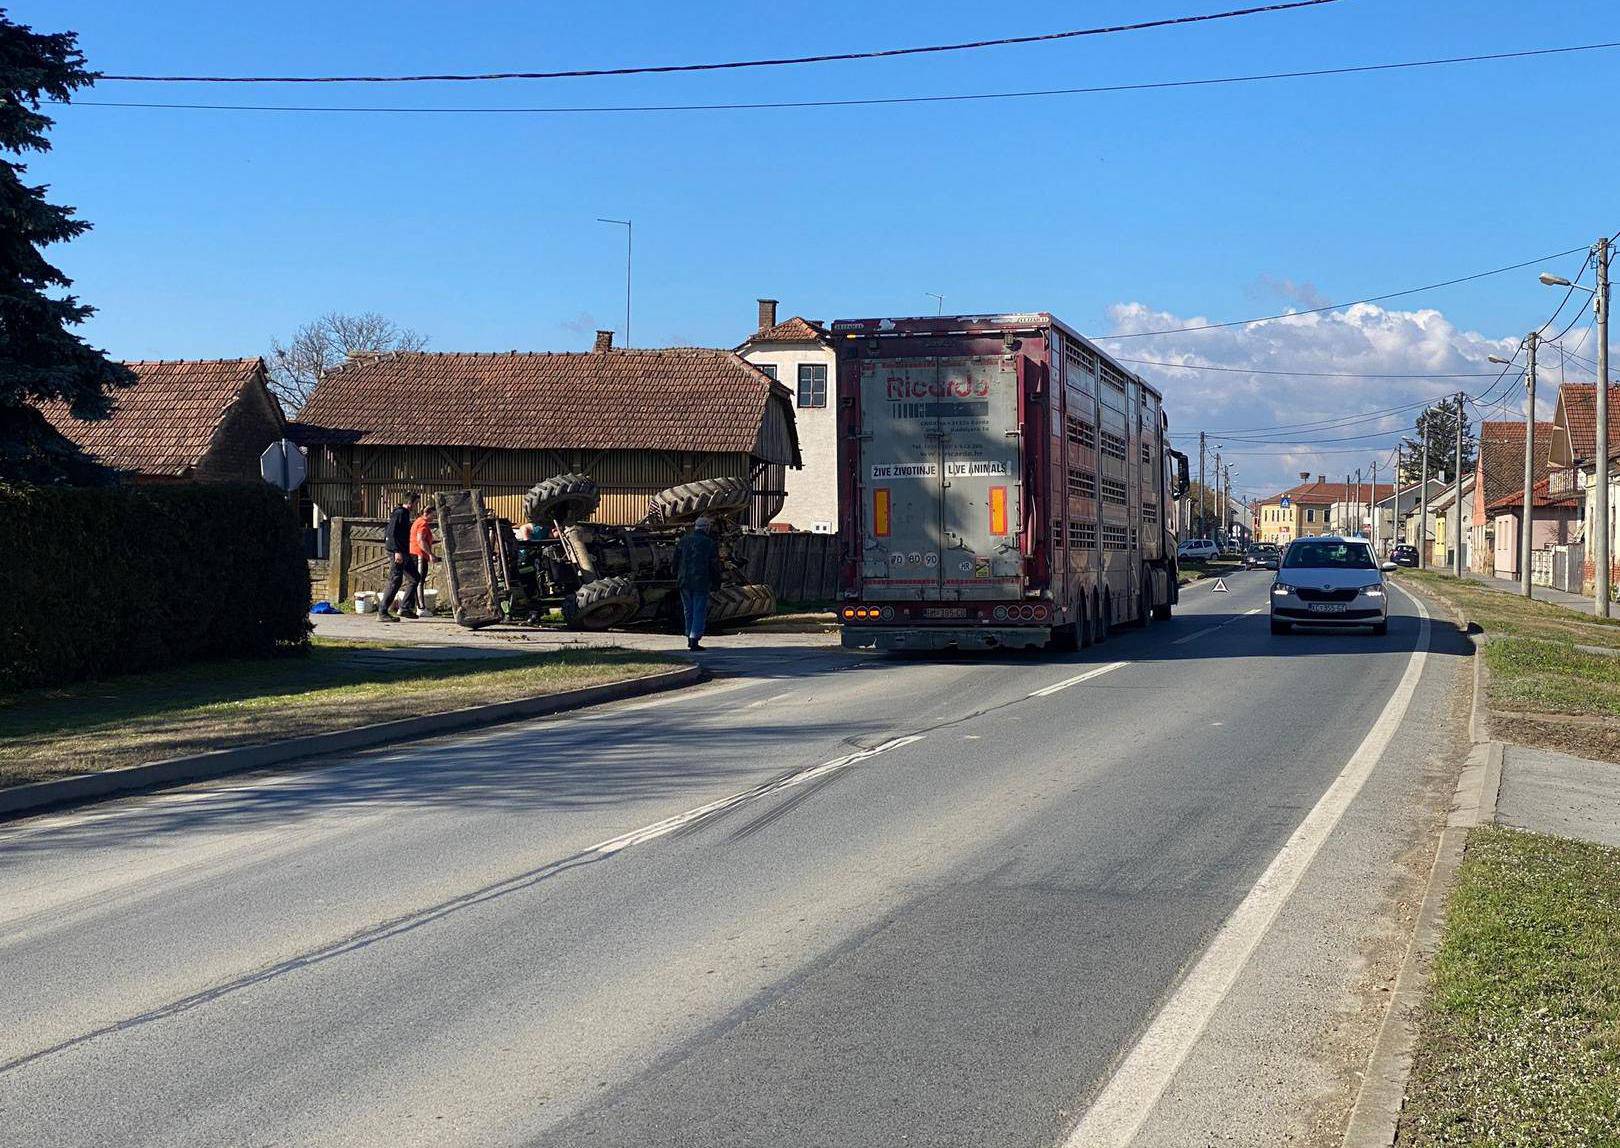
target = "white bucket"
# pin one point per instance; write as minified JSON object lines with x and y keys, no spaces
{"x":430,"y":599}
{"x":365,"y":602}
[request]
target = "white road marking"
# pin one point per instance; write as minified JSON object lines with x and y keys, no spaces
{"x":1077,"y":679}
{"x":1212,"y":629}
{"x":670,"y":824}
{"x":1130,"y":1096}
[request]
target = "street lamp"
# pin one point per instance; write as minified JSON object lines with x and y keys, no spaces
{"x":629,"y":242}
{"x":1598,"y":537}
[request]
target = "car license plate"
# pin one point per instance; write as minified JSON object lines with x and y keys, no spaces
{"x":945,"y":612}
{"x":1325,"y":607}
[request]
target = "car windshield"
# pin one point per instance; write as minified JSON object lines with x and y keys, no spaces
{"x":1330,"y":555}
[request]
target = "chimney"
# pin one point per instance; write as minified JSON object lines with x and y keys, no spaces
{"x":767,"y":313}
{"x":1321,"y":478}
{"x":604,"y":342}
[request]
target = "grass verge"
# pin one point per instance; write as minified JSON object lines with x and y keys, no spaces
{"x":1510,"y":615}
{"x":1552,"y":677}
{"x":1519,"y":1040}
{"x":337,"y":685}
{"x":1191,"y":570}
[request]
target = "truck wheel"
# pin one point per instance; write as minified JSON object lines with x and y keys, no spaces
{"x":1083,"y":624}
{"x":687,"y":502}
{"x":563,"y":498}
{"x":1144,"y":600}
{"x":603,"y":604}
{"x":1069,"y":638}
{"x":1100,"y":620}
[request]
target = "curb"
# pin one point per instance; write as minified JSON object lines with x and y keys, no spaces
{"x":1377,"y":1111}
{"x":37,"y":795}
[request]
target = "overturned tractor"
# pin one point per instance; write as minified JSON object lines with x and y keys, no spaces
{"x":598,"y":576}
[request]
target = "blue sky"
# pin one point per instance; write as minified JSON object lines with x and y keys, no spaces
{"x":216,"y":231}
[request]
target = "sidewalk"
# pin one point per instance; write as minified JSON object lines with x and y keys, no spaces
{"x":1540,"y":593}
{"x":1544,"y":791}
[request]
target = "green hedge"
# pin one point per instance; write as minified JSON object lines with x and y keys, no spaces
{"x":109,"y":581}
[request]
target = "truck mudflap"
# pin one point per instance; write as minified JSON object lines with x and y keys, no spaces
{"x":942,"y":638}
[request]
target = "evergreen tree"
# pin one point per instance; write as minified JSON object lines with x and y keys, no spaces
{"x":1438,"y":425}
{"x":40,"y":359}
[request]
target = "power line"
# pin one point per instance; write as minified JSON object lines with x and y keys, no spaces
{"x":1296,"y":374}
{"x":970,"y":45}
{"x":872,"y":101}
{"x":1353,"y":302}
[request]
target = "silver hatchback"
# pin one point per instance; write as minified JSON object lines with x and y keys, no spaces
{"x":1330,"y":581}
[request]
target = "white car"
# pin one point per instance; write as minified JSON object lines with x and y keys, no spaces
{"x":1330,"y":581}
{"x":1198,"y":549}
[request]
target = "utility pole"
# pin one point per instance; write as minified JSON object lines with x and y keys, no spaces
{"x":1226,"y":506}
{"x":1423,"y":495}
{"x":1600,"y":498}
{"x":1356,"y":518}
{"x":1202,"y":490}
{"x":1372,"y":507}
{"x":1456,"y":509}
{"x":1526,"y":521}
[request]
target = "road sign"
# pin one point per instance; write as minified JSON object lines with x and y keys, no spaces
{"x":1287,"y":502}
{"x":283,"y":465}
{"x":1220,"y":587}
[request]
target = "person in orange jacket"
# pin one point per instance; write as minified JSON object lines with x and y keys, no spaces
{"x":422,"y":550}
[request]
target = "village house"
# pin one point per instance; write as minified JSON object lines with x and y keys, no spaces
{"x":637,"y":421}
{"x":1572,"y":465}
{"x":1499,"y":500}
{"x":800,"y":354}
{"x":205,"y":420}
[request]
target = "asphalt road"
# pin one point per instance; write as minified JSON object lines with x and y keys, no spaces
{"x":827,"y":899}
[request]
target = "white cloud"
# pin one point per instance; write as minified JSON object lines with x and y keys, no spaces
{"x":1364,"y":339}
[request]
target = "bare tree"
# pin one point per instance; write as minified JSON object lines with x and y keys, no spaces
{"x":296,"y":366}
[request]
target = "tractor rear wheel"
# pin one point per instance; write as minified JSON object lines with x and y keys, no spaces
{"x":732,"y":605}
{"x":564,"y":498}
{"x":691,"y":500}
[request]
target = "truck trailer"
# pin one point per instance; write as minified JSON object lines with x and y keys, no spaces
{"x":1003,"y":482}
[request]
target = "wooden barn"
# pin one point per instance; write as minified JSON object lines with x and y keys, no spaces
{"x":635,"y":420}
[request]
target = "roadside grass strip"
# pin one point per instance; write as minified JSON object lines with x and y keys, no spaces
{"x":1519,"y":1040}
{"x":1552,"y":677}
{"x":137,"y":718}
{"x":1511,"y":615}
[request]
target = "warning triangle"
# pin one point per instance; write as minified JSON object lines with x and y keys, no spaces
{"x":1220,"y":587}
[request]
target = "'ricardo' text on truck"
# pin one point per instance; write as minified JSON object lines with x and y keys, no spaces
{"x":1003,"y":483}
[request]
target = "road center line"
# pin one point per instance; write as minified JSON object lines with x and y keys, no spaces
{"x":671,"y":824}
{"x":1211,"y":629}
{"x":1125,"y":1102}
{"x":1077,"y":679}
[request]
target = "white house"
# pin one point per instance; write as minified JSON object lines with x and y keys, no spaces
{"x":799,"y":353}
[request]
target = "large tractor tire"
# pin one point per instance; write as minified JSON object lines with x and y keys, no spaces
{"x":689,"y":501}
{"x":603,"y":604}
{"x":734,"y":605}
{"x":564,"y":498}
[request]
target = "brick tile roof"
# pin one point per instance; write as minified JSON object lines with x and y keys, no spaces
{"x":1514,"y":500}
{"x":165,"y":422}
{"x":680,"y":398}
{"x":795,"y":330}
{"x":1327,"y":493}
{"x":1501,"y":457}
{"x":1578,"y":405}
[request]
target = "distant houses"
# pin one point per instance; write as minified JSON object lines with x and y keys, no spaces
{"x":800,"y":354}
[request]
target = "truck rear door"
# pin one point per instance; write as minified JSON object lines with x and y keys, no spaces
{"x":942,"y":466}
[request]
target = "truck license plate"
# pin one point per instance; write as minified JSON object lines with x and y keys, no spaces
{"x":1325,"y":607}
{"x":945,"y":612}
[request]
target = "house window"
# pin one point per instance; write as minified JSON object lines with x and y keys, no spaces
{"x":812,"y":384}
{"x":1310,"y":516}
{"x":768,"y":368}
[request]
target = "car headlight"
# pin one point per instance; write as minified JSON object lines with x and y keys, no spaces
{"x":1279,"y":589}
{"x":1373,"y":591}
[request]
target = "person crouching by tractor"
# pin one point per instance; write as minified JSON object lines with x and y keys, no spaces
{"x":697,"y":571}
{"x":402,"y":568}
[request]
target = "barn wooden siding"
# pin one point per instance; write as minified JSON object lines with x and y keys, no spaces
{"x":366,"y":481}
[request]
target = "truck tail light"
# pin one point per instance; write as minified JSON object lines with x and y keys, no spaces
{"x":998,"y":510}
{"x":880,"y":512}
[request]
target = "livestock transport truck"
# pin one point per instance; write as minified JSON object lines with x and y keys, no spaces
{"x":1003,"y":482}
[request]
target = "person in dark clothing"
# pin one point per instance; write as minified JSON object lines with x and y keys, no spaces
{"x":397,"y":538}
{"x":697,"y":572}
